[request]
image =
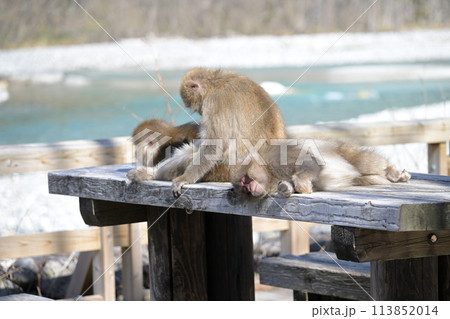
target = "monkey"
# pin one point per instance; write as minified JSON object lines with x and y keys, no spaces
{"x":163,"y":143}
{"x":315,"y":164}
{"x":152,"y":148}
{"x":236,"y":112}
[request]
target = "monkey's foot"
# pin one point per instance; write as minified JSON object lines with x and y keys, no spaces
{"x":393,"y":175}
{"x":177,"y":184}
{"x":140,"y":174}
{"x":285,"y":189}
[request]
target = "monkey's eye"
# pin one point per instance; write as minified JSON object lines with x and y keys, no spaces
{"x":193,"y":85}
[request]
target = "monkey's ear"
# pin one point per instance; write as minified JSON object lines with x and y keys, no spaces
{"x":196,"y":86}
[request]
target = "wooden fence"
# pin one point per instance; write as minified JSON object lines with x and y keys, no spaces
{"x":96,"y":244}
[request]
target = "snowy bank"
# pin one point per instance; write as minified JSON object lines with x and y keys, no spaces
{"x":233,"y":52}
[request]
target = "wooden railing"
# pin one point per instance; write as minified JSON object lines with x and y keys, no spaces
{"x":75,"y":154}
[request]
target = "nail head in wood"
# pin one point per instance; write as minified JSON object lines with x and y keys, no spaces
{"x":432,"y":238}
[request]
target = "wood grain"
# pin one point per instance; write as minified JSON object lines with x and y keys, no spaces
{"x":159,"y":254}
{"x":41,"y":244}
{"x":103,"y":275}
{"x":362,"y":245}
{"x":317,"y":273}
{"x":413,"y":279}
{"x":229,"y":252}
{"x":421,"y":204}
{"x":25,"y":158}
{"x":187,"y":234}
{"x":132,"y":273}
{"x":105,"y":213}
{"x":385,"y":133}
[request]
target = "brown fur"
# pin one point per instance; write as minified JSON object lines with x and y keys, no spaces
{"x":179,"y":135}
{"x":232,"y":107}
{"x":344,"y":165}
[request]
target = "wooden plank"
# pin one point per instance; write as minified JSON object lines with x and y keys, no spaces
{"x":260,"y":225}
{"x":25,"y":158}
{"x":407,"y":280}
{"x":107,"y":213}
{"x":82,"y":275}
{"x":229,"y":253}
{"x":295,"y":240}
{"x":187,"y":235}
{"x":84,"y":298}
{"x":362,"y":245}
{"x":81,"y":240}
{"x":132,"y":272}
{"x":49,"y":243}
{"x":380,"y":133}
{"x":103,"y":266}
{"x":317,"y":273}
{"x":437,"y":158}
{"x":418,"y":205}
{"x":24,"y":297}
{"x":159,"y":254}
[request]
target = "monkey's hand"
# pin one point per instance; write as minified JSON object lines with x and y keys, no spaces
{"x":285,"y":188}
{"x":140,"y":174}
{"x":177,"y":184}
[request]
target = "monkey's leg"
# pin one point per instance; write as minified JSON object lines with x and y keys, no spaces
{"x":177,"y":164}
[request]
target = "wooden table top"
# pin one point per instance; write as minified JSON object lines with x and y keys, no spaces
{"x":421,"y":204}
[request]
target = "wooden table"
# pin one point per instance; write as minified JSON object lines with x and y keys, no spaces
{"x":200,"y":245}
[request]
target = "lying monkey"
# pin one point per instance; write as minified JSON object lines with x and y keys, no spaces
{"x":315,"y":164}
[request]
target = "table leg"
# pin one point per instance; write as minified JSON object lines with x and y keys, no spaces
{"x":176,"y":246}
{"x":406,"y":279}
{"x":199,"y":256}
{"x":444,"y":277}
{"x":229,"y":247}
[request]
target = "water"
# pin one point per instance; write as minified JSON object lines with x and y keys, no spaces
{"x":91,"y":105}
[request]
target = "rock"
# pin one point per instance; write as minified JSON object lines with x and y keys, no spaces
{"x":55,"y":288}
{"x":57,"y":266}
{"x":24,"y":273}
{"x":7,"y":287}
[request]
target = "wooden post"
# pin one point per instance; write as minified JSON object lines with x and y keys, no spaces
{"x":444,"y":277}
{"x":132,"y":272}
{"x":408,"y":280}
{"x":187,"y":235}
{"x":176,"y":247}
{"x":199,"y":256}
{"x":159,"y":254}
{"x":295,"y":240}
{"x":437,"y":158}
{"x":103,"y":266}
{"x":82,"y":276}
{"x":229,"y":248}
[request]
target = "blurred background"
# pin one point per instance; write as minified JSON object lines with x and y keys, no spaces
{"x":47,"y":22}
